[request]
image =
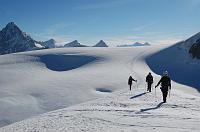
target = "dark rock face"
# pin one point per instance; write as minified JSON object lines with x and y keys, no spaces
{"x":49,"y":43}
{"x":101,"y":43}
{"x":12,"y":40}
{"x":195,"y":50}
{"x":74,"y":43}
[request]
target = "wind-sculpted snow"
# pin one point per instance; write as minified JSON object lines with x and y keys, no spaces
{"x":181,"y":67}
{"x":40,"y":81}
{"x":30,"y":88}
{"x":65,"y":62}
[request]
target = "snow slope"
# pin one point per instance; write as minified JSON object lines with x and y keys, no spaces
{"x":40,"y":81}
{"x":32,"y":84}
{"x":181,"y":66}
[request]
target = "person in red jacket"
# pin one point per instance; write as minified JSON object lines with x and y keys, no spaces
{"x":130,"y":81}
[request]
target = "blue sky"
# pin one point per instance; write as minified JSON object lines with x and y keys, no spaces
{"x":115,"y":21}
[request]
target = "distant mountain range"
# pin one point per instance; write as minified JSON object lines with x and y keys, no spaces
{"x":192,"y":45}
{"x":75,"y":43}
{"x":135,"y":44}
{"x":13,"y":39}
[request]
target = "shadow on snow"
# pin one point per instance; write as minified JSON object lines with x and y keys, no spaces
{"x":138,"y":95}
{"x":106,"y":90}
{"x":153,"y":108}
{"x":178,"y":63}
{"x":65,"y":62}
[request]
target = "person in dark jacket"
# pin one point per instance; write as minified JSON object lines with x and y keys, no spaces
{"x":165,"y":85}
{"x":149,"y":80}
{"x":130,"y":81}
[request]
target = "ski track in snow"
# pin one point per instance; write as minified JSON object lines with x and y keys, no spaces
{"x":123,"y":110}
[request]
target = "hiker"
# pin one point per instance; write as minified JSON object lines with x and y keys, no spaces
{"x":165,"y":85}
{"x":149,"y":80}
{"x":130,"y":81}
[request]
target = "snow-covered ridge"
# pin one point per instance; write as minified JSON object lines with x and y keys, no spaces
{"x":187,"y":44}
{"x":181,"y":66}
{"x":195,"y":49}
{"x":191,"y":46}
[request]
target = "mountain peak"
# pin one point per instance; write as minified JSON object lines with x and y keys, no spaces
{"x":12,"y":28}
{"x":146,"y":43}
{"x":137,"y":43}
{"x":101,"y":43}
{"x":74,"y":43}
{"x":49,"y":43}
{"x":11,"y":24}
{"x":52,"y":40}
{"x":12,"y":40}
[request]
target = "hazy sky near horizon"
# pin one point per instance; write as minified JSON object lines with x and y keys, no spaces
{"x":115,"y":21}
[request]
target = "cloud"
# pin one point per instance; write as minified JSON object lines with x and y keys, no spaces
{"x":119,"y":40}
{"x":53,"y":31}
{"x":55,"y":28}
{"x":167,"y":41}
{"x":154,"y":38}
{"x":45,"y":36}
{"x":192,"y":4}
{"x":102,"y":4}
{"x":143,"y":27}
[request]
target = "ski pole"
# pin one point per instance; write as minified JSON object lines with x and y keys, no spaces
{"x":169,"y":93}
{"x":136,"y":84}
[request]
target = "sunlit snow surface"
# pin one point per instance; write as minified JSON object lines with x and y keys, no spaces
{"x":37,"y":82}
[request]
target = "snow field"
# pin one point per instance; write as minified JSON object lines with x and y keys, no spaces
{"x":100,"y":85}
